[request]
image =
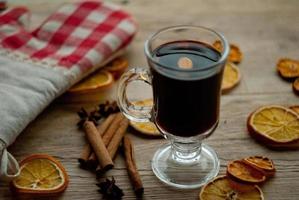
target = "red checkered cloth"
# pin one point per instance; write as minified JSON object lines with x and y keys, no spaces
{"x":82,"y":34}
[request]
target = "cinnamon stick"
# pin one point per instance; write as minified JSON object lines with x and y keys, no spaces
{"x":98,"y":146}
{"x":131,"y":166}
{"x":115,"y":141}
{"x":112,"y":128}
{"x":92,"y":162}
{"x":106,"y":124}
{"x":84,"y":155}
{"x":117,"y":138}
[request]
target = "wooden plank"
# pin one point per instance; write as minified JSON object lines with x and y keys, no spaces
{"x":54,"y":132}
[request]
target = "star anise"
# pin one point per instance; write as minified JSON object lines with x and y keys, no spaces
{"x":93,"y":116}
{"x":109,"y":190}
{"x":103,"y":110}
{"x":108,"y":108}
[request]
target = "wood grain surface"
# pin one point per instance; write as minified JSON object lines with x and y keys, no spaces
{"x":264,"y":30}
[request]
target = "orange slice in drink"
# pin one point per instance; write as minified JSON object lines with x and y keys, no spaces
{"x":231,"y":77}
{"x":40,"y":175}
{"x":145,"y":128}
{"x":220,"y":189}
{"x":288,"y":68}
{"x":241,"y":172}
{"x":295,"y":108}
{"x":296,"y":86}
{"x":117,"y":67}
{"x":235,"y":54}
{"x":96,"y":82}
{"x":262,"y":163}
{"x":275,"y":126}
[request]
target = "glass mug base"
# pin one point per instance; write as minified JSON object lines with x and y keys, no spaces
{"x":190,"y":175}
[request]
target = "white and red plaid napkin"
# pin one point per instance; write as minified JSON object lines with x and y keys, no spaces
{"x":37,"y":66}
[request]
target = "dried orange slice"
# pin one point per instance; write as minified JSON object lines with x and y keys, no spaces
{"x":288,"y":68}
{"x":295,"y":108}
{"x":239,"y":186}
{"x":145,"y":128}
{"x":235,"y":54}
{"x":261,"y":163}
{"x":231,"y":77}
{"x":275,"y":126}
{"x":241,"y":172}
{"x":95,"y":82}
{"x":117,"y":67}
{"x":40,"y":175}
{"x":220,"y":189}
{"x":296,"y":86}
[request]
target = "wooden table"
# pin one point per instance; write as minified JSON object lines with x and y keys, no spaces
{"x":265,"y":31}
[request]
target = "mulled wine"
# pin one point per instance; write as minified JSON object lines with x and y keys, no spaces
{"x":185,"y":105}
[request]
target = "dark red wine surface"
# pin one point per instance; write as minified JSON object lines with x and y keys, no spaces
{"x":186,"y":107}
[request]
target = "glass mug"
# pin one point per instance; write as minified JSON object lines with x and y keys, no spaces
{"x":185,"y":75}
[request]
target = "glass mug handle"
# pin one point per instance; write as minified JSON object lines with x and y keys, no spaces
{"x":130,"y":110}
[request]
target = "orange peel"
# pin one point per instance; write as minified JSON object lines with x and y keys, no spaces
{"x":220,"y":189}
{"x":288,"y":68}
{"x":295,"y":108}
{"x":296,"y":86}
{"x":275,"y":126}
{"x":40,"y":175}
{"x":96,"y":82}
{"x":117,"y":67}
{"x":235,"y":54}
{"x":262,"y":163}
{"x":243,"y":173}
{"x":145,"y":128}
{"x":231,"y":77}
